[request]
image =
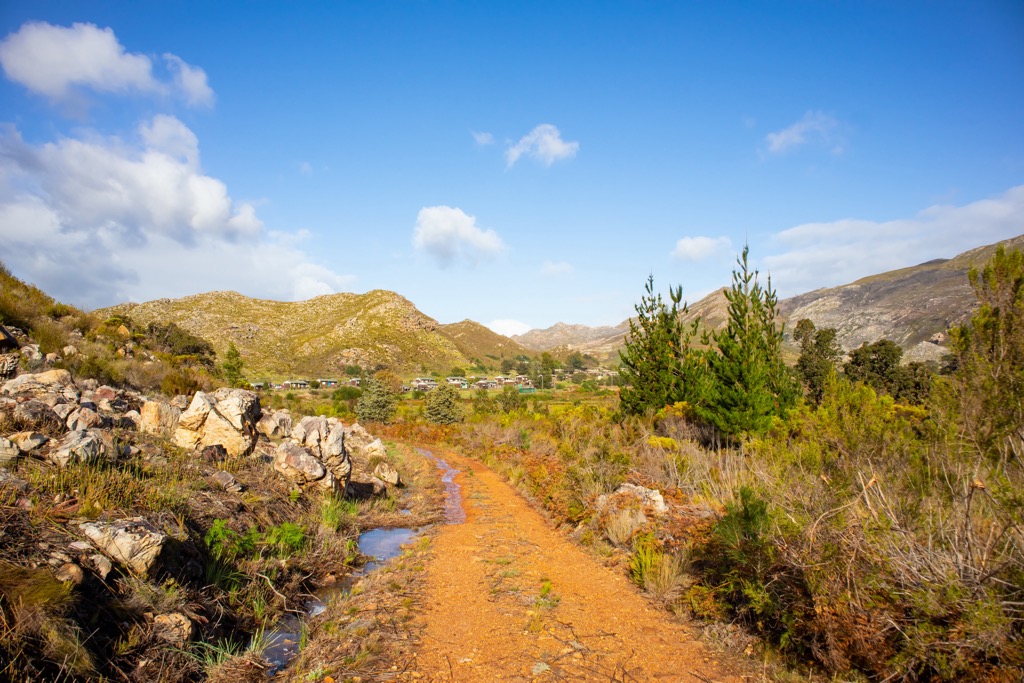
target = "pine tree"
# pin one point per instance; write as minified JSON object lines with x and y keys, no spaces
{"x":658,"y":357}
{"x":751,"y":382}
{"x":232,"y":366}
{"x":377,"y":403}
{"x":985,"y":394}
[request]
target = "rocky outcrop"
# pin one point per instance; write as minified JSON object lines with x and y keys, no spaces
{"x":302,"y":468}
{"x":325,"y":439}
{"x":227,"y":417}
{"x":159,"y":418}
{"x":633,"y":496}
{"x":50,"y":384}
{"x":357,"y":438}
{"x":133,"y":543}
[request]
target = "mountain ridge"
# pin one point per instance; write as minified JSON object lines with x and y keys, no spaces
{"x":912,"y":306}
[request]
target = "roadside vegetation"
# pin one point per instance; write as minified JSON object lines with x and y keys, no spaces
{"x":865,"y":518}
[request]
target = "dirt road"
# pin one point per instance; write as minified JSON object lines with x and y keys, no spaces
{"x":509,"y":599}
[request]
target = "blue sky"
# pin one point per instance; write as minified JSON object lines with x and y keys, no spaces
{"x":514,"y":163}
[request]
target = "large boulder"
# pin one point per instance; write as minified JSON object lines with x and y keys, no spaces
{"x":335,"y":454}
{"x":357,"y":438}
{"x":275,"y":425}
{"x":157,"y":417}
{"x":326,"y":441}
{"x":52,"y":382}
{"x":302,"y":468}
{"x":227,"y":417}
{"x":79,"y":446}
{"x":311,"y":432}
{"x":631,"y":496}
{"x":133,"y":543}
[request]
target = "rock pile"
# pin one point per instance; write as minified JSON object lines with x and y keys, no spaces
{"x":316,"y":454}
{"x":227,"y":417}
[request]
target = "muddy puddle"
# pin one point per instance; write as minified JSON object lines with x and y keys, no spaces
{"x":453,"y":511}
{"x":285,"y":639}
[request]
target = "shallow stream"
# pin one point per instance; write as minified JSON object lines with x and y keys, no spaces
{"x":284,"y":640}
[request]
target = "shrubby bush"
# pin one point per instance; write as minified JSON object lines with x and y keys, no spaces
{"x":443,"y":406}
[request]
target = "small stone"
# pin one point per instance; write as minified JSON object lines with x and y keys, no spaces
{"x":223,"y":479}
{"x":28,"y":441}
{"x":174,"y":628}
{"x":70,"y":572}
{"x":8,"y":451}
{"x":102,"y":565}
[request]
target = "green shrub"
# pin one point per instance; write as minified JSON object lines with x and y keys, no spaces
{"x":442,"y":406}
{"x":377,"y":403}
{"x":287,"y":538}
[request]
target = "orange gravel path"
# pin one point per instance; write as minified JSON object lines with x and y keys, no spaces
{"x":509,"y":599}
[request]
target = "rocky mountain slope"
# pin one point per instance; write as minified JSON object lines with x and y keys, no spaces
{"x":322,"y":335}
{"x":576,"y":336}
{"x":911,"y":306}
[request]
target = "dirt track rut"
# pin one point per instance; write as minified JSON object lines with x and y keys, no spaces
{"x":509,"y":599}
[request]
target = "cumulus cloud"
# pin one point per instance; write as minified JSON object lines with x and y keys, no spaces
{"x":190,"y":80}
{"x":482,"y":139}
{"x":545,"y":144}
{"x":60,"y":62}
{"x":815,"y":126}
{"x":699,"y":248}
{"x":556,"y":268}
{"x":449,"y":236}
{"x":509,"y":327}
{"x":829,"y":254}
{"x":99,"y":221}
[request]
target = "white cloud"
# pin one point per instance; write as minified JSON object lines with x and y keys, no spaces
{"x":556,"y":268}
{"x":106,"y":220}
{"x":59,"y":61}
{"x":814,"y":126}
{"x":509,"y":327}
{"x":305,"y":168}
{"x":830,"y":254}
{"x":449,"y":235}
{"x":482,"y":139}
{"x":191,"y":81}
{"x":545,"y":144}
{"x":699,"y":248}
